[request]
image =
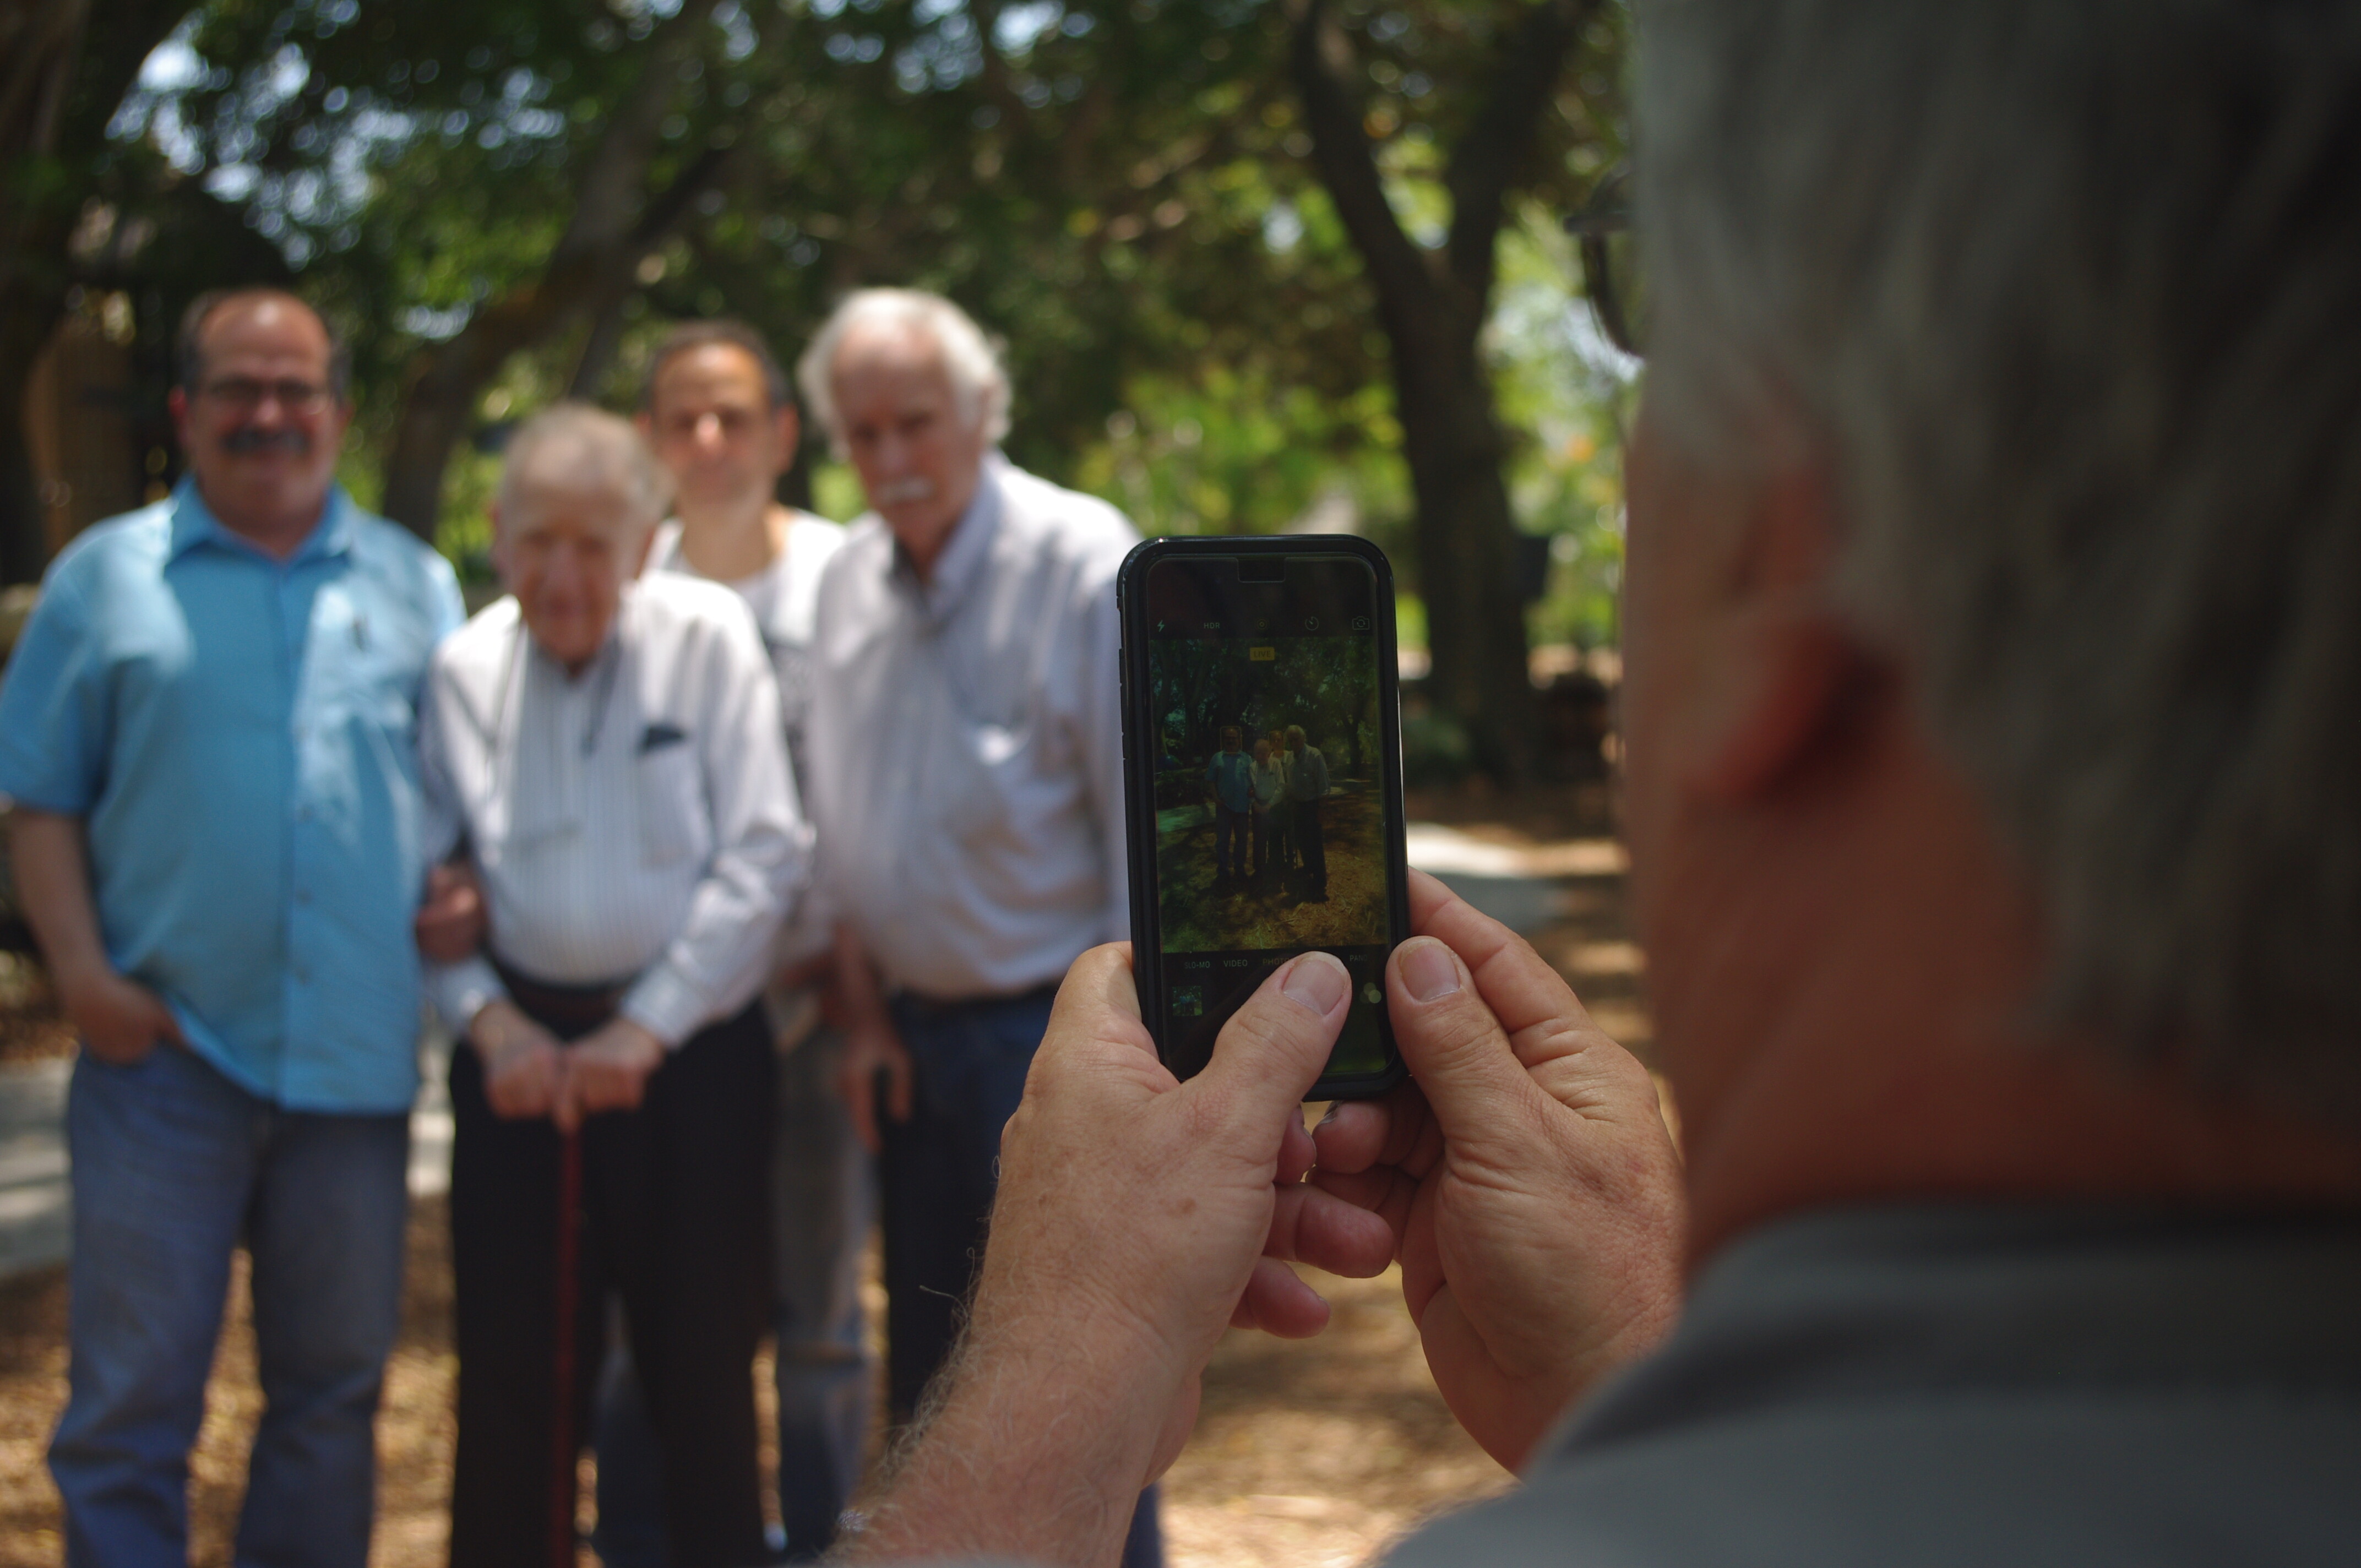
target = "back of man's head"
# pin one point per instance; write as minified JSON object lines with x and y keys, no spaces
{"x":2067,"y":296}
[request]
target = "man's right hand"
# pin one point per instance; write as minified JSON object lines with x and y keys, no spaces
{"x":524,"y":1067}
{"x":119,"y":1019}
{"x":1532,"y":1189}
{"x":870,"y":1048}
{"x":450,"y":923}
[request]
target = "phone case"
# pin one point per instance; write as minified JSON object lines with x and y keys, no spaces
{"x":1138,"y":768}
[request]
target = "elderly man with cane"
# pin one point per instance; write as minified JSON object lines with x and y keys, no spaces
{"x":611,"y":751}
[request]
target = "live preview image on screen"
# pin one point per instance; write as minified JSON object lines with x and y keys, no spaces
{"x":1270,"y":830}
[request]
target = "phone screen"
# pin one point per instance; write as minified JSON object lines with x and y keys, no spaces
{"x":1272,"y":765}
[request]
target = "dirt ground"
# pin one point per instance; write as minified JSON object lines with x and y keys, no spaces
{"x":1310,"y":1454}
{"x":1204,"y":912}
{"x":30,"y":1027}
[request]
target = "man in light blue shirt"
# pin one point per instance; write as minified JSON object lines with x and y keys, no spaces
{"x":1230,"y":775}
{"x":206,"y":730}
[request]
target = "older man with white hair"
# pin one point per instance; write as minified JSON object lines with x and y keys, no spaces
{"x":1994,"y":807}
{"x":966,"y":767}
{"x":610,"y":751}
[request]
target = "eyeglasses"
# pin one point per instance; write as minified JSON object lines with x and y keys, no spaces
{"x":245,"y":394}
{"x":1611,"y":262}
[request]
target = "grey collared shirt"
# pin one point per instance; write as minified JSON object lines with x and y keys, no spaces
{"x":1971,"y":1386}
{"x":966,"y":748}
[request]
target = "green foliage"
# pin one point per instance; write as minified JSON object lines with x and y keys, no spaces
{"x":1120,"y":191}
{"x":1567,"y":396}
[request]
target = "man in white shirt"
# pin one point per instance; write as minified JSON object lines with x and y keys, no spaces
{"x":1307,"y":786}
{"x":1269,"y":778}
{"x":717,"y":410}
{"x":966,"y":776}
{"x":611,"y":752}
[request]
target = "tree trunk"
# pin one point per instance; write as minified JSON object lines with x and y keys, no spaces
{"x":615,"y":225}
{"x":1432,"y":305}
{"x":60,"y":83}
{"x":25,"y":322}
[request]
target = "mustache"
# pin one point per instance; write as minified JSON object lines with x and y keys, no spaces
{"x":914,"y":489}
{"x":250,"y":439}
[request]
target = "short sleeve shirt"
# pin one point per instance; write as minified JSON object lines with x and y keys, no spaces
{"x":237,"y":735}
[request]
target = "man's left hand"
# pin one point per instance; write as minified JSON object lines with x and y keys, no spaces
{"x":1138,"y":1217}
{"x":607,"y":1070}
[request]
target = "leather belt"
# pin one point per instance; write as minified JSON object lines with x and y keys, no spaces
{"x":927,"y":1007}
{"x":563,"y":1006}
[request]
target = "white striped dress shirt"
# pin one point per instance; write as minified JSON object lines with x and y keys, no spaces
{"x":966,"y":759}
{"x":635,"y":823}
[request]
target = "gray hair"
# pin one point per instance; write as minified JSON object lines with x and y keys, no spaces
{"x":978,"y":382}
{"x":2069,"y":298}
{"x":574,"y":447}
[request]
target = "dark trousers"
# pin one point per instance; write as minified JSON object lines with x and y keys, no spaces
{"x":936,"y":1177}
{"x":1308,"y":845}
{"x":1279,"y":830}
{"x":1229,"y":841}
{"x":822,"y":1205}
{"x":673,"y":1219}
{"x":1259,"y":833}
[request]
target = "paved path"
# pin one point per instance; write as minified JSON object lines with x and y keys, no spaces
{"x":36,"y":1218}
{"x":33,"y":1213}
{"x":1524,"y":888}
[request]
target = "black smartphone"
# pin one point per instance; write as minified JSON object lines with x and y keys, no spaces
{"x":1262,"y":785}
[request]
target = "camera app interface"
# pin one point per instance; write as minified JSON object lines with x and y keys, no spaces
{"x":1270,"y":826}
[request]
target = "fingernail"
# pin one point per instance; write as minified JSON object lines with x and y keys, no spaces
{"x":1317,"y":981}
{"x":1330,"y":1114}
{"x":1429,"y":971}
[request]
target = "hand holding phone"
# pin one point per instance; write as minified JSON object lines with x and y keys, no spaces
{"x":1262,"y":771}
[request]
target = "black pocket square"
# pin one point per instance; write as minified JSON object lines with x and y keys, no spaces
{"x":657,"y":737}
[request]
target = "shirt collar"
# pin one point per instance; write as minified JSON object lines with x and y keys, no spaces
{"x":965,"y":553}
{"x":194,"y":523}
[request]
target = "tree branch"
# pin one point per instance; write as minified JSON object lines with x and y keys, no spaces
{"x":607,"y":199}
{"x":1321,"y":60}
{"x":1489,"y":153}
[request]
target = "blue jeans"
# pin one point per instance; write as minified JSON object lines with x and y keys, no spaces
{"x":823,"y":1202}
{"x":173,"y":1165}
{"x":939,"y":1169}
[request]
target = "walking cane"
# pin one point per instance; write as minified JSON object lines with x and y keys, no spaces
{"x":561,"y":1442}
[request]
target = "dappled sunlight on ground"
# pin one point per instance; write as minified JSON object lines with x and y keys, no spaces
{"x":1307,"y":1455}
{"x":1276,"y":909}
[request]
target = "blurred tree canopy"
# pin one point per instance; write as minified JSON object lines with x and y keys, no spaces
{"x":1162,"y":206}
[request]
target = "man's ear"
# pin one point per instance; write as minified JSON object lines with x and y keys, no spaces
{"x":647,"y":548}
{"x":176,"y":402}
{"x":1786,"y":660}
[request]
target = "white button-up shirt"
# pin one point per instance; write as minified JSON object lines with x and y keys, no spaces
{"x":966,"y":754}
{"x":634,"y":823}
{"x":785,"y":597}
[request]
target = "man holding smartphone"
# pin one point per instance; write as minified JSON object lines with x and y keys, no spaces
{"x":1994,"y":811}
{"x":966,"y":760}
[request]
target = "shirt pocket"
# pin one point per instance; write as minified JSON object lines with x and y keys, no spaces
{"x":983,"y":771}
{"x":675,"y":821}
